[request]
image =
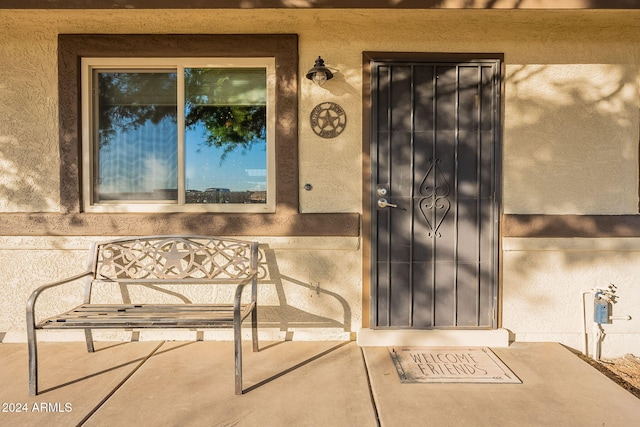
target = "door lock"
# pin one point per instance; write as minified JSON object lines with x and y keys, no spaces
{"x":382,"y":203}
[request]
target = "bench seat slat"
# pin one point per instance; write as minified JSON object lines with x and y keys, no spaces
{"x":87,"y":308}
{"x":102,"y":316}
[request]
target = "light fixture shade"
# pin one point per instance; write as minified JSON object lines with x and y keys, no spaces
{"x":319,"y":78}
{"x":319,"y":74}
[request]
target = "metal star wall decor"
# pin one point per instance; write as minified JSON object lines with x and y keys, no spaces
{"x":328,"y":120}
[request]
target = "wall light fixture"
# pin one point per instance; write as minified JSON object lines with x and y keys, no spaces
{"x":319,"y":74}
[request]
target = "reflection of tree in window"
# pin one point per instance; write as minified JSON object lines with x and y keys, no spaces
{"x":129,"y":100}
{"x":228,"y":103}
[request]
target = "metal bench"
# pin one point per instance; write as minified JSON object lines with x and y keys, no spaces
{"x":151,"y":262}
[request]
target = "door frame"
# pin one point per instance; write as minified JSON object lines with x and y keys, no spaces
{"x":367,"y":269}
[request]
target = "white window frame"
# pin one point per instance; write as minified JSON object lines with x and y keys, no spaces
{"x":88,"y":65}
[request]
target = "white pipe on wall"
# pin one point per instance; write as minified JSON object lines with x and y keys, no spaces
{"x":584,"y":326}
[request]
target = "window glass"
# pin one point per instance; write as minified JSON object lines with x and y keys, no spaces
{"x":137,"y":136}
{"x":185,"y":135}
{"x":225,"y":135}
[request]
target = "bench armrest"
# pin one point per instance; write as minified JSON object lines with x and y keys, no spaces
{"x":237,"y":301}
{"x":31,"y":302}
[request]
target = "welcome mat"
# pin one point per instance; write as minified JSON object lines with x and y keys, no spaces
{"x":450,"y":365}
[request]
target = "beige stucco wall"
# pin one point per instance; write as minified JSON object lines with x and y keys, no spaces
{"x":547,"y":284}
{"x":570,"y":143}
{"x":571,"y":138}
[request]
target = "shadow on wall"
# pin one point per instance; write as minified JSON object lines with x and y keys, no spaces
{"x":25,"y":189}
{"x":569,"y":139}
{"x":571,"y":148}
{"x":272,"y":286}
{"x":284,"y":315}
{"x":571,"y":143}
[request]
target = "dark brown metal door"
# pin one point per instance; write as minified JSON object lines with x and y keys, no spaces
{"x":434,"y":216}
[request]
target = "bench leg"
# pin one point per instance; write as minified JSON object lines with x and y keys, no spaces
{"x":33,"y":359}
{"x":237,"y":339}
{"x":89,"y":338}
{"x":254,"y":328}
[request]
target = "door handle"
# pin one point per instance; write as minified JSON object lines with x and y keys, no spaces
{"x":382,"y":203}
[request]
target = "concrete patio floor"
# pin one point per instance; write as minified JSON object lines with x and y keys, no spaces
{"x":296,"y":384}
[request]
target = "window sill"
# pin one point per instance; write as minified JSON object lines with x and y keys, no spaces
{"x":150,"y":208}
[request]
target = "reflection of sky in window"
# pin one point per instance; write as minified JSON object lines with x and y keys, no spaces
{"x":240,"y":170}
{"x":144,"y":159}
{"x":140,"y":159}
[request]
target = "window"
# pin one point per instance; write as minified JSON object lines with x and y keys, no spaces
{"x":178,"y":134}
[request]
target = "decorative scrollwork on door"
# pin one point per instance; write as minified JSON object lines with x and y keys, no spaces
{"x":434,"y":203}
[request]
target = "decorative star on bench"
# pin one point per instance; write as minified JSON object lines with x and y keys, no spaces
{"x":174,"y":259}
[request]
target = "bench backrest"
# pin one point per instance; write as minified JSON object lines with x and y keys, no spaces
{"x":176,"y":259}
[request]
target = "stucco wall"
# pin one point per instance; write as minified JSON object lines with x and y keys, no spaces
{"x":547,"y":289}
{"x":570,"y":142}
{"x":571,"y":138}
